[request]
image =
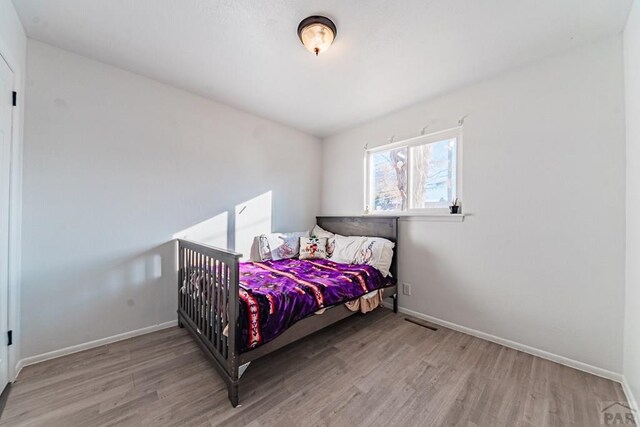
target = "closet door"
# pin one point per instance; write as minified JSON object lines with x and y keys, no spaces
{"x":6,"y":111}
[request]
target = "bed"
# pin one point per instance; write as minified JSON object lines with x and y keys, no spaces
{"x":236,"y":318}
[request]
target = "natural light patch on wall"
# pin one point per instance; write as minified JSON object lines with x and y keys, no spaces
{"x":212,"y":232}
{"x":252,"y":218}
{"x":234,"y":231}
{"x":135,"y":272}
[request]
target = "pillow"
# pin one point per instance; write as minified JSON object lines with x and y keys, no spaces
{"x":254,"y":253}
{"x":347,"y":248}
{"x":284,"y":245}
{"x":331,"y":238}
{"x":313,"y":247}
{"x":331,"y":246}
{"x":264,"y":251}
{"x":321,"y":232}
{"x":376,"y":252}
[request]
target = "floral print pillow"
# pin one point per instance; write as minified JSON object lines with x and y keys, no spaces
{"x":277,"y":246}
{"x":376,"y":252}
{"x":286,"y":248}
{"x":313,"y":247}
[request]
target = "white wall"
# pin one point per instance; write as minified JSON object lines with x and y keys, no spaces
{"x":115,"y":165}
{"x":540,"y":261}
{"x":632,"y":92}
{"x":13,"y":49}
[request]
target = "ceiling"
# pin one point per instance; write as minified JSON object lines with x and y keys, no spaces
{"x":387,"y":54}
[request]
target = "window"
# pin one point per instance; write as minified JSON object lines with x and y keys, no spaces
{"x":417,"y":175}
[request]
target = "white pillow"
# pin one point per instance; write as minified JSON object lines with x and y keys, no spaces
{"x":331,"y":238}
{"x":321,"y":232}
{"x":331,"y":246}
{"x":347,"y":248}
{"x":276,"y":246}
{"x":254,"y":254}
{"x":264,"y":251}
{"x":313,"y":248}
{"x":376,"y":252}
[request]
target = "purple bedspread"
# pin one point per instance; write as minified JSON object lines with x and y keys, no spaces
{"x":276,"y":294}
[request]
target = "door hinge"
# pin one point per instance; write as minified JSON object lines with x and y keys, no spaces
{"x":10,"y":338}
{"x":15,"y":98}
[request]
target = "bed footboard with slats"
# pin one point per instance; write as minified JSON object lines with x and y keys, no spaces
{"x":209,"y":299}
{"x":208,"y":305}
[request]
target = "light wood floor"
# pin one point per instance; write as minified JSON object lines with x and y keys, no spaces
{"x":368,"y":370}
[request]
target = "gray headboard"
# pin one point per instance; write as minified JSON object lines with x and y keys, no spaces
{"x":371,"y":226}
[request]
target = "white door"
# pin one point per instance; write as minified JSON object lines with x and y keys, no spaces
{"x":6,"y":112}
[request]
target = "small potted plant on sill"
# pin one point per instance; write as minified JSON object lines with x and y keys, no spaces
{"x":455,"y":206}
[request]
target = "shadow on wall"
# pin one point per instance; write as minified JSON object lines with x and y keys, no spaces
{"x":139,"y":290}
{"x":120,"y":295}
{"x":234,"y":230}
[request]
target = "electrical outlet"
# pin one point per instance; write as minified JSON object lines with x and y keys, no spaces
{"x":406,"y":289}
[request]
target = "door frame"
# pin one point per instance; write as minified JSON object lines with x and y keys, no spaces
{"x":17,"y":66}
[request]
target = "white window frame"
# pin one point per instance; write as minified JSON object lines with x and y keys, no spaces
{"x":408,"y":143}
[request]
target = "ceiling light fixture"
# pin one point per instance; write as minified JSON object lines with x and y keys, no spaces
{"x":317,"y":33}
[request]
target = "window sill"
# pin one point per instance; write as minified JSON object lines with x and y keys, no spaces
{"x":426,"y":217}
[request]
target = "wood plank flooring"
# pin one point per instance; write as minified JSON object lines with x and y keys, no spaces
{"x":368,"y":370}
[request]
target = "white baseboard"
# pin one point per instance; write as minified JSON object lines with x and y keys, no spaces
{"x":614,"y":376}
{"x":630,"y":397}
{"x":91,"y":344}
{"x":18,"y":368}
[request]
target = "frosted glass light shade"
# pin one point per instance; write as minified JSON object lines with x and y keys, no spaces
{"x":317,"y":33}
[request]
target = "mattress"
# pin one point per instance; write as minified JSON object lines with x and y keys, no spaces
{"x":274,"y":295}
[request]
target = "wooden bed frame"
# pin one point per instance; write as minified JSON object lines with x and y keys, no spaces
{"x":207,"y":317}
